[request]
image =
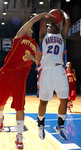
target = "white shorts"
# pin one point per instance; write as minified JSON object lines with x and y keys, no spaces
{"x":52,"y":79}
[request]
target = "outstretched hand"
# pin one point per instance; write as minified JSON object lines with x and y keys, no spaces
{"x":31,"y":57}
{"x":47,"y":15}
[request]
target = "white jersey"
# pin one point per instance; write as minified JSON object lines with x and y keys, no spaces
{"x":52,"y":48}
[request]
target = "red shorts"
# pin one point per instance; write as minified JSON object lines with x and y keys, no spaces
{"x":72,"y":93}
{"x":13,"y":82}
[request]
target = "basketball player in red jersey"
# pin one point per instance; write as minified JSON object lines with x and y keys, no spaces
{"x":13,"y":74}
{"x":72,"y":88}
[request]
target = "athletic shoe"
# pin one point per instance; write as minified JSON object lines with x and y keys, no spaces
{"x":18,"y":142}
{"x":61,"y":131}
{"x":1,"y":123}
{"x":41,"y":132}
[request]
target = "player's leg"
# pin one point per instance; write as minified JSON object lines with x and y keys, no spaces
{"x":69,"y":100}
{"x":61,"y":119}
{"x":1,"y":117}
{"x":45,"y":94}
{"x":73,"y":96}
{"x":18,"y":104}
{"x":62,"y":90}
{"x":20,"y":125}
{"x":42,"y":107}
{"x":4,"y":93}
{"x":69,"y":106}
{"x":41,"y":118}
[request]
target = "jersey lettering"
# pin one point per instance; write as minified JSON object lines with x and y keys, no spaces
{"x":25,"y":57}
{"x":53,"y":39}
{"x":49,"y":49}
{"x":28,"y":42}
{"x":54,"y":50}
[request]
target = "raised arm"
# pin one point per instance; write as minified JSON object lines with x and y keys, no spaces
{"x":24,"y":29}
{"x":66,"y":25}
{"x":37,"y":57}
{"x":43,"y":26}
{"x":43,"y":29}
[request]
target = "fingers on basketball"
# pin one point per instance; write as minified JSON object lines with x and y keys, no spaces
{"x":56,"y":15}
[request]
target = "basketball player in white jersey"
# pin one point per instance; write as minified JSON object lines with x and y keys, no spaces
{"x":53,"y":76}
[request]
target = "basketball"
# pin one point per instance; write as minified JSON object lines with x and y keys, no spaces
{"x":57,"y":15}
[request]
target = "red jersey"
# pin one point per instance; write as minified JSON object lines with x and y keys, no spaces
{"x":13,"y":74}
{"x":70,"y":76}
{"x":72,"y":87}
{"x":17,"y":57}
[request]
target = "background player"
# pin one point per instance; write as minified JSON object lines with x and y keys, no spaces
{"x":72,"y":87}
{"x":53,"y":75}
{"x":13,"y":74}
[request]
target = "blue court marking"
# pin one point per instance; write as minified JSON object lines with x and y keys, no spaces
{"x":72,"y":126}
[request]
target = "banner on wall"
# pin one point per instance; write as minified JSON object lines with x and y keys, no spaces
{"x":75,"y":28}
{"x":6,"y":44}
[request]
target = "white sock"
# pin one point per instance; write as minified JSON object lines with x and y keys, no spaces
{"x":62,"y":116}
{"x":41,"y":117}
{"x":20,"y":125}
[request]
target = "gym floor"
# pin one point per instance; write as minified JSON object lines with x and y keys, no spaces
{"x":30,"y":136}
